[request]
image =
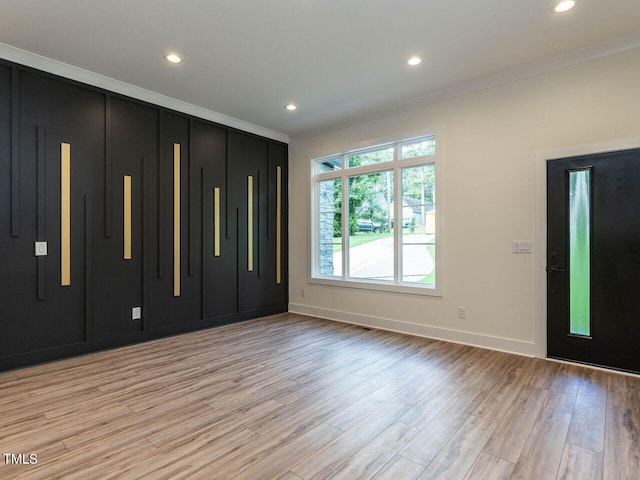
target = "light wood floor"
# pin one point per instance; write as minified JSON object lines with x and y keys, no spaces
{"x":293,"y":398}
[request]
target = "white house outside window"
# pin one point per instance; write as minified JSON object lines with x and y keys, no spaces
{"x":374,"y":221}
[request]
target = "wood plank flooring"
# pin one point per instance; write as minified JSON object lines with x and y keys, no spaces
{"x":296,"y":398}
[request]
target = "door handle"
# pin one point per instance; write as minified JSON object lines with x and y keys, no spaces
{"x":555,"y":269}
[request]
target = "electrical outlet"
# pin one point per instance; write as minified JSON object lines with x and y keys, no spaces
{"x":303,"y":292}
{"x":136,"y":313}
{"x":462,"y":312}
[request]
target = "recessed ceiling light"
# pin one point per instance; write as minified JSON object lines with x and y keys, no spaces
{"x":173,"y":58}
{"x":291,"y":107}
{"x":565,"y":5}
{"x":413,"y":61}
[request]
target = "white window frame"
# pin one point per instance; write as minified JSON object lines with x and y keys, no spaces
{"x":396,"y":166}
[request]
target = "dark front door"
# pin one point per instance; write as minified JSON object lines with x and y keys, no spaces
{"x":593,"y":259}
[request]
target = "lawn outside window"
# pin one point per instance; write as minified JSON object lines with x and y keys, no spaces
{"x":374,"y":222}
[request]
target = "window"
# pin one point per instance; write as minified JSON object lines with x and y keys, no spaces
{"x":579,"y":252}
{"x":374,"y":218}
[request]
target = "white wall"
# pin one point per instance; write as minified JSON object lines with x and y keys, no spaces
{"x":489,"y":141}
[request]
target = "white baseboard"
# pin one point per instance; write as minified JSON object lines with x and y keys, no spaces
{"x":467,"y":338}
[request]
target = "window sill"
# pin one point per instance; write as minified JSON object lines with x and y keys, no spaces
{"x":412,"y":289}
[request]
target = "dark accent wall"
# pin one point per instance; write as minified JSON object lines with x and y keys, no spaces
{"x":112,"y":136}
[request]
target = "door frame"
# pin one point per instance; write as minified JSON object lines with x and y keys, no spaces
{"x":540,"y":222}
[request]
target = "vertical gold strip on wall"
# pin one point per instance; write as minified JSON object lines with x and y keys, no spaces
{"x":216,"y":222}
{"x":278,"y":224}
{"x":250,"y":223}
{"x":176,"y":219}
{"x":127,"y":217}
{"x":65,"y":214}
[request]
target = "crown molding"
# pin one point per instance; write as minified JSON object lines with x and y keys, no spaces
{"x":582,"y":55}
{"x":575,"y":57}
{"x":71,"y":72}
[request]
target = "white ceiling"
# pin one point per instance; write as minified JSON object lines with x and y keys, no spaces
{"x":341,"y":61}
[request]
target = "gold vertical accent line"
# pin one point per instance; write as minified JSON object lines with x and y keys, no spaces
{"x":278,"y":225}
{"x":216,"y":222}
{"x":127,"y":217}
{"x":176,"y":219}
{"x":250,"y":223}
{"x":65,"y":214}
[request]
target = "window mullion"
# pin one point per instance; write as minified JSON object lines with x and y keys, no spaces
{"x":397,"y":224}
{"x":328,"y":175}
{"x":418,"y":161}
{"x":369,"y":169}
{"x":345,"y":225}
{"x":315,"y":230}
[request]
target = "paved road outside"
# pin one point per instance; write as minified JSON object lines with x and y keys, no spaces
{"x":374,"y":260}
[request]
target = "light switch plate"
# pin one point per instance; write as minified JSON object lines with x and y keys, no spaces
{"x":41,"y":249}
{"x":136,"y":313}
{"x":521,"y":246}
